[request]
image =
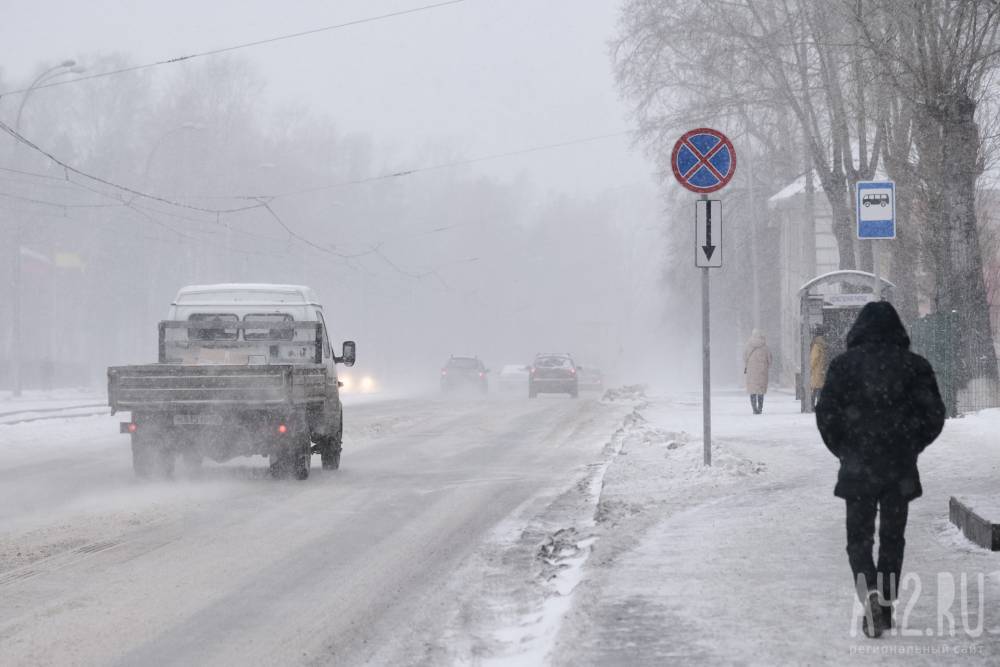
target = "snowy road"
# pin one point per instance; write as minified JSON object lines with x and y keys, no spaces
{"x":230,"y":567}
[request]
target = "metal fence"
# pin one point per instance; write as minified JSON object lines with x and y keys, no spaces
{"x":936,"y":338}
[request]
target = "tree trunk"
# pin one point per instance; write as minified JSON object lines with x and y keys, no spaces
{"x":843,"y":228}
{"x":905,"y":250}
{"x":966,"y":290}
{"x":930,"y":146}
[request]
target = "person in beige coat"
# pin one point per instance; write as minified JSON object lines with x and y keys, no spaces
{"x":817,"y":364}
{"x":757,"y":367}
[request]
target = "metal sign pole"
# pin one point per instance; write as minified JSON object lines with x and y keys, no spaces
{"x":704,"y":161}
{"x":706,"y":357}
{"x":875,"y":270}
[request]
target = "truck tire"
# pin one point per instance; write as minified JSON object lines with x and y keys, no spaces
{"x":301,"y":457}
{"x":192,"y":460}
{"x":150,"y":458}
{"x":277,"y":465}
{"x":293,"y":459}
{"x":142,"y":457}
{"x":331,"y":457}
{"x":330,"y":448}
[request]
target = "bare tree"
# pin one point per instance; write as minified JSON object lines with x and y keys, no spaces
{"x":940,"y":56}
{"x":797,"y":57}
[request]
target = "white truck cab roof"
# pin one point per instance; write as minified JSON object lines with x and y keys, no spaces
{"x":242,"y":299}
{"x":257,"y":294}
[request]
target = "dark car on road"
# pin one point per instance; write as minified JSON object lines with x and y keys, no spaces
{"x":553,"y":373}
{"x":464,"y":373}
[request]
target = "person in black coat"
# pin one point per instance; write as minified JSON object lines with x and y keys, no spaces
{"x":880,"y":407}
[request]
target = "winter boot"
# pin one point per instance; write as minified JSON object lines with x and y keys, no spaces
{"x":888,"y":619}
{"x":874,"y":619}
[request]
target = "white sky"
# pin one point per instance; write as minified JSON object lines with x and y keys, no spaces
{"x":488,"y":76}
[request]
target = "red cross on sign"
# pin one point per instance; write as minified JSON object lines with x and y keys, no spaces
{"x":703,"y":160}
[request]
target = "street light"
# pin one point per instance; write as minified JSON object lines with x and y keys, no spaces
{"x":65,"y":67}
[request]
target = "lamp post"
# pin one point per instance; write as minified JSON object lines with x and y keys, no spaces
{"x":65,"y":67}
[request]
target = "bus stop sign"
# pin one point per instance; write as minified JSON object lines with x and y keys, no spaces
{"x":876,"y":210}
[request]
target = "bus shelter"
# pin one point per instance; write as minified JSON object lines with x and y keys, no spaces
{"x":831,"y":302}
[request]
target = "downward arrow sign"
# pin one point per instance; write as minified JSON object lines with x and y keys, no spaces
{"x":708,"y":248}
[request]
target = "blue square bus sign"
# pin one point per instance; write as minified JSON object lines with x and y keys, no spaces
{"x":876,"y":209}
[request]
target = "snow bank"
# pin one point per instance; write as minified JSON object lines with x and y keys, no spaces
{"x":706,"y":565}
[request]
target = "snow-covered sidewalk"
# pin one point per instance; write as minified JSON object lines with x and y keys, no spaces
{"x":55,"y":398}
{"x":745,"y":562}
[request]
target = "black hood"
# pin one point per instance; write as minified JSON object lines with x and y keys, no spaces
{"x":878,"y":322}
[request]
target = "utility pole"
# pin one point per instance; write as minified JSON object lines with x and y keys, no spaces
{"x":17,"y":351}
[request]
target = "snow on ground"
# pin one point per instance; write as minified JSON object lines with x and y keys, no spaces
{"x":635,"y":553}
{"x":66,"y":482}
{"x":57,"y":398}
{"x":652,"y":558}
{"x":745,"y":562}
{"x":364,"y":565}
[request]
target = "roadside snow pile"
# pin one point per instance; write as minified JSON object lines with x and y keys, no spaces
{"x":950,"y":536}
{"x":631,"y":393}
{"x":660,"y":460}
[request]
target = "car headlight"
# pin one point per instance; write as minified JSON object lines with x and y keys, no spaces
{"x":346,"y":384}
{"x":367,"y":384}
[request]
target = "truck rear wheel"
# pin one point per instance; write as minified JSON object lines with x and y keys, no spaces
{"x":142,"y":457}
{"x":150,"y":458}
{"x":293,"y":459}
{"x":302,"y":457}
{"x":193,"y":460}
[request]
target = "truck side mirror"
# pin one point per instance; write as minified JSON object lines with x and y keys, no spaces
{"x":348,"y":354}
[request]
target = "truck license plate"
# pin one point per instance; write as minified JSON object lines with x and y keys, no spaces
{"x":200,"y":420}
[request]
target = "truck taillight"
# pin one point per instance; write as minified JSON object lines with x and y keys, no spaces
{"x":133,"y":427}
{"x":282,"y":429}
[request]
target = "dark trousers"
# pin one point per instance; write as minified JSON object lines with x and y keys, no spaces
{"x":883,"y":577}
{"x":757,"y":403}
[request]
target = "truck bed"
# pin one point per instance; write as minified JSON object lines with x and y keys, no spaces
{"x":163,"y":387}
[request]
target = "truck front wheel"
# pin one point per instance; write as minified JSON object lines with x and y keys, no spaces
{"x":330,"y":447}
{"x":331,"y":456}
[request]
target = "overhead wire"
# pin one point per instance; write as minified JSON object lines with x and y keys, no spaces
{"x":432,"y":167}
{"x":264,"y":201}
{"x":123,"y":188}
{"x":235,"y":47}
{"x":260,"y":203}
